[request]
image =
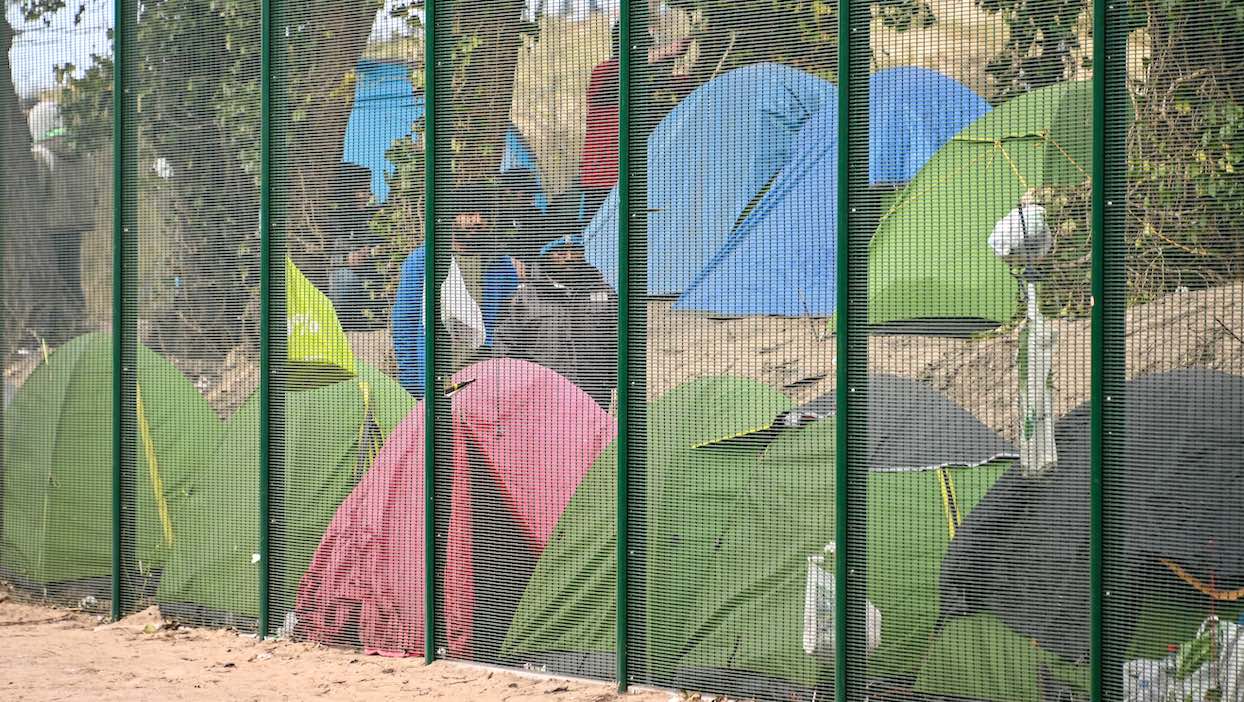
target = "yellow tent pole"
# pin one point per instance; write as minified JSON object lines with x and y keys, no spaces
{"x":153,"y":466}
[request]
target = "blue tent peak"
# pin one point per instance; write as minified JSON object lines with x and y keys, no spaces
{"x":707,"y":159}
{"x":781,"y":259}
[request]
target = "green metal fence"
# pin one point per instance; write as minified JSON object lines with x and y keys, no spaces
{"x":884,"y":350}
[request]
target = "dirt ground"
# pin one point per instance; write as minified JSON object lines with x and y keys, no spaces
{"x":1201,"y":328}
{"x":52,"y":654}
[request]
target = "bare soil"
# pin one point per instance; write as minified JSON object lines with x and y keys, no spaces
{"x":52,"y":654}
{"x":1201,"y":328}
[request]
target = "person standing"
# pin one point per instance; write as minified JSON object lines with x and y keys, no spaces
{"x":477,"y":284}
{"x":563,"y":316}
{"x":598,"y":162}
{"x":353,"y":279}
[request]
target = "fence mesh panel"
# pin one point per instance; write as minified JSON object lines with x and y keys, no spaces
{"x":732,"y":495}
{"x":1173,"y":573}
{"x":192,"y":188}
{"x":55,"y":492}
{"x":346,"y":156}
{"x":978,"y":460}
{"x":526,"y":152}
{"x":970,"y":327}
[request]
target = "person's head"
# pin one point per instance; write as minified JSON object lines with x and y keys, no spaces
{"x":470,"y":208}
{"x":516,"y":191}
{"x":562,"y":257}
{"x":354,"y":185}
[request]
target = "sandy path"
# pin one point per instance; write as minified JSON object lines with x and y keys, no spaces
{"x":49,"y":654}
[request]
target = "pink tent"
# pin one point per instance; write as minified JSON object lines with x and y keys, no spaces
{"x":535,"y":433}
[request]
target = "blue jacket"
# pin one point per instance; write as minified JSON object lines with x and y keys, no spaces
{"x":500,"y":282}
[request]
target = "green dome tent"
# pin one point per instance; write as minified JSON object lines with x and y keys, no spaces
{"x":729,"y":530}
{"x":330,"y":435}
{"x":58,"y":467}
{"x":929,"y":256}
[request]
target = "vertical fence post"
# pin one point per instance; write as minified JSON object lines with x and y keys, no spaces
{"x":842,"y":350}
{"x":842,"y":333}
{"x":124,"y":295}
{"x":1097,"y":353}
{"x":429,"y":333}
{"x":118,"y":306}
{"x":265,"y":311}
{"x":1110,"y":126}
{"x":624,"y":367}
{"x":851,"y":333}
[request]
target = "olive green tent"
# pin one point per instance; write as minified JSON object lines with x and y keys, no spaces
{"x":728,"y":531}
{"x":330,"y":435}
{"x":929,"y":257}
{"x":58,"y":467}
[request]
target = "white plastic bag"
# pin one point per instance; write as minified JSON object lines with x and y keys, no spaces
{"x":1222,"y":673}
{"x":460,"y":312}
{"x":818,"y":609}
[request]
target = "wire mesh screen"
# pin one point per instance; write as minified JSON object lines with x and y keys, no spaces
{"x":979,"y":359}
{"x":55,"y":492}
{"x":348,"y":216}
{"x":733,"y":231}
{"x":526,"y":362}
{"x":191,"y":175}
{"x":971,"y":328}
{"x":1173,"y":551}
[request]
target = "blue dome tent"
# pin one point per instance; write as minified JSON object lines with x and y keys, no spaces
{"x":707,"y":160}
{"x":780,"y":260}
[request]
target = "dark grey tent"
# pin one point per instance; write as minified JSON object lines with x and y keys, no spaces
{"x":911,"y":426}
{"x":1175,"y":495}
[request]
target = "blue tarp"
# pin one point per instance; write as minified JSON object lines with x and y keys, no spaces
{"x":707,"y":159}
{"x":517,"y":155}
{"x":385,"y":109}
{"x":781,"y":258}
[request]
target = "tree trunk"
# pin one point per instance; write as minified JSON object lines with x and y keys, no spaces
{"x":482,"y":52}
{"x":31,"y":280}
{"x":319,"y":81}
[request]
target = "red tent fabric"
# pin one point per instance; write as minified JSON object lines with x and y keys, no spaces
{"x":537,"y":435}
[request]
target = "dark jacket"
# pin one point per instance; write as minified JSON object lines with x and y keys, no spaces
{"x":568,"y":326}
